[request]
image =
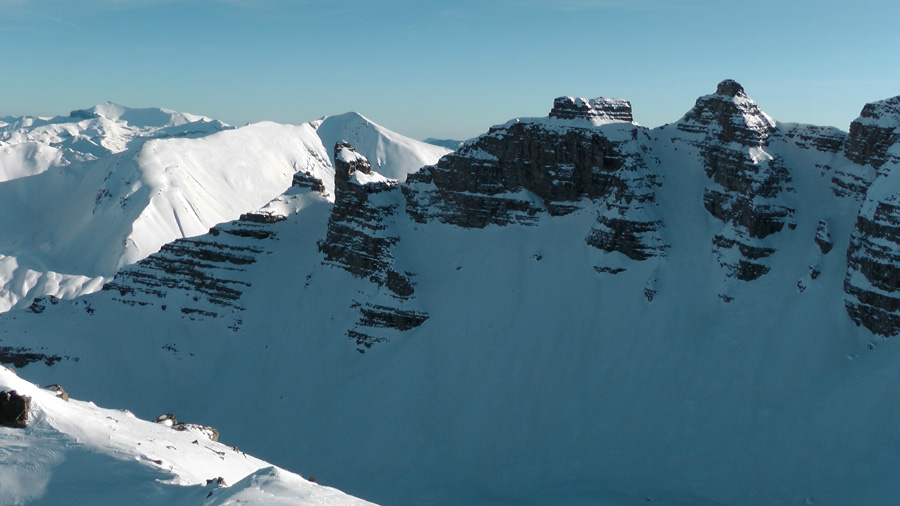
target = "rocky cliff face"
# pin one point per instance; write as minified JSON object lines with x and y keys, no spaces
{"x":872,"y":283}
{"x":360,"y":241}
{"x":587,"y":154}
{"x":746,"y":182}
{"x":204,"y":277}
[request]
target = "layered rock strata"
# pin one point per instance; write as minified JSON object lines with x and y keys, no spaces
{"x":526,"y":169}
{"x":360,"y":241}
{"x":731,"y":134}
{"x":872,"y":283}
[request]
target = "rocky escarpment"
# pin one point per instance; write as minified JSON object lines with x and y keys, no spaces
{"x":731,"y":134}
{"x":872,"y":283}
{"x":871,"y":146}
{"x":595,"y":109}
{"x":209,"y":270}
{"x":874,"y":133}
{"x":204,"y":277}
{"x":360,"y":241}
{"x":588,"y":152}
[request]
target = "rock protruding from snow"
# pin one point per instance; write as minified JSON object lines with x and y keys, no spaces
{"x":347,"y":162}
{"x":873,"y":268}
{"x":359,"y":242}
{"x":746,"y":182}
{"x":14,"y":409}
{"x":872,"y":283}
{"x":823,"y":238}
{"x":599,"y":110}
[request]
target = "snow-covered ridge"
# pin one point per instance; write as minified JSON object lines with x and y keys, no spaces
{"x":110,"y":185}
{"x":73,"y":452}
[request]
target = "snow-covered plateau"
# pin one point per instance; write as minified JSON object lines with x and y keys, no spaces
{"x":566,"y":310}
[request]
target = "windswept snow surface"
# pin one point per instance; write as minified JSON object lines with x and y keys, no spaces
{"x":77,"y":453}
{"x":391,"y":154}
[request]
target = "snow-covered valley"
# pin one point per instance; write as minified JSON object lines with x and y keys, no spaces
{"x":573,"y":309}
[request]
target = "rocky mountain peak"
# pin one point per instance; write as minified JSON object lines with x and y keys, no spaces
{"x":594,"y":109}
{"x":729,"y":115}
{"x":874,"y":132}
{"x":729,"y":88}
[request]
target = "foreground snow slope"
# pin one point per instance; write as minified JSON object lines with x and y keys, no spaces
{"x":73,"y":452}
{"x":558,"y":313}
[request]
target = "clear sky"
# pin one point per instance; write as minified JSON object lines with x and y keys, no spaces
{"x":440,"y":68}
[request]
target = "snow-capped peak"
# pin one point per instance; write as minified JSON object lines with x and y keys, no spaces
{"x":730,"y":115}
{"x":390,"y":153}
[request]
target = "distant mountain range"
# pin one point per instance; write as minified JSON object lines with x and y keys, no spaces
{"x":572,"y":309}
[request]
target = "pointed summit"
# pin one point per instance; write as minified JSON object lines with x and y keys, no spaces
{"x":730,"y":116}
{"x":730,"y":88}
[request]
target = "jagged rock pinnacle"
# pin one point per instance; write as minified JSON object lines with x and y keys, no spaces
{"x":729,"y":88}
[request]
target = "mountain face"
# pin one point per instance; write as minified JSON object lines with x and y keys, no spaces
{"x":571,"y":309}
{"x":108,"y":186}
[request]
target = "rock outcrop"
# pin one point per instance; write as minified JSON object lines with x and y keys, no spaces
{"x":595,"y":109}
{"x":746,"y":181}
{"x":874,"y":135}
{"x":14,"y":409}
{"x":872,"y":284}
{"x":530,"y":168}
{"x":360,"y":241}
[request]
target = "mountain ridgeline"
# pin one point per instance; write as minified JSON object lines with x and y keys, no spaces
{"x":562,"y":310}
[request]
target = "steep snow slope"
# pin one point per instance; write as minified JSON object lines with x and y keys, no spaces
{"x":73,"y":452}
{"x":392,"y":154}
{"x":561,"y":312}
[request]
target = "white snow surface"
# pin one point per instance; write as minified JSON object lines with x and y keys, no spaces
{"x":73,"y":452}
{"x":391,"y":154}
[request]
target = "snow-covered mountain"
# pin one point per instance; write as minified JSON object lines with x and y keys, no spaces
{"x":73,"y":452}
{"x":392,"y":154}
{"x":109,"y":186}
{"x":572,"y":309}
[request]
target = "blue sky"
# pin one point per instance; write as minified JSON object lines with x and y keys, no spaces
{"x":444,"y":69}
